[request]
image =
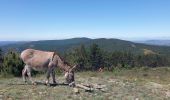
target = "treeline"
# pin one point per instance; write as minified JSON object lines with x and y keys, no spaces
{"x":10,"y":63}
{"x":90,"y":58}
{"x":94,"y":58}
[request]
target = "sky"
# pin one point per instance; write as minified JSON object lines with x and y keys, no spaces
{"x":25,"y":20}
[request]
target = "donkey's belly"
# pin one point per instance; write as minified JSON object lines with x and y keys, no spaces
{"x":39,"y":65}
{"x":39,"y":68}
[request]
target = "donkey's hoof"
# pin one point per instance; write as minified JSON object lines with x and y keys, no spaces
{"x":34,"y":83}
{"x":55,"y":82}
{"x":48,"y":84}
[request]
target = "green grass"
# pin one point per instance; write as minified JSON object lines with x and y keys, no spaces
{"x":142,"y":84}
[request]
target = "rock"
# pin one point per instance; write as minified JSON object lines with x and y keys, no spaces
{"x":87,"y":89}
{"x":34,"y":83}
{"x":40,"y":93}
{"x":72,"y":84}
{"x":136,"y":98}
{"x":76,"y":90}
{"x":154,"y":85}
{"x":168,"y":94}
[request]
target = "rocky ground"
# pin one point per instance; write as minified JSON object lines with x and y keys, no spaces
{"x":134,"y":84}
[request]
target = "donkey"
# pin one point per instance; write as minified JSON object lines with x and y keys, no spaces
{"x":45,"y":61}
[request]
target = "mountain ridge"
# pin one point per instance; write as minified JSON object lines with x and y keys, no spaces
{"x":109,"y":45}
{"x":156,"y":42}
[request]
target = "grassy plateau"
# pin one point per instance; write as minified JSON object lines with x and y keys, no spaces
{"x":120,"y":84}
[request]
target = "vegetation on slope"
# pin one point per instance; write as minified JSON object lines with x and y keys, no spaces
{"x":109,"y":45}
{"x":90,"y":58}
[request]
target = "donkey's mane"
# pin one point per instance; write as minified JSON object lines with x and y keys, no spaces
{"x":62,"y":59}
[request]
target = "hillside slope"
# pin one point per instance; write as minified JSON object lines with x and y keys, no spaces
{"x":106,"y":44}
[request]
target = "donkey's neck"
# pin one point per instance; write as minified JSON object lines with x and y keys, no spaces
{"x":62,"y":65}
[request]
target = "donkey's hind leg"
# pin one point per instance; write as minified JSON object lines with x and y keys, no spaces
{"x":24,"y":71}
{"x":28,"y":70}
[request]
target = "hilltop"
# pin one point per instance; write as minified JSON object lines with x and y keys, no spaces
{"x":105,"y":44}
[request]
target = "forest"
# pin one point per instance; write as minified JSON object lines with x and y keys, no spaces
{"x":90,"y":58}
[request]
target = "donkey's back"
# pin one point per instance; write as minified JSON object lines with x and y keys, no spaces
{"x":38,"y":60}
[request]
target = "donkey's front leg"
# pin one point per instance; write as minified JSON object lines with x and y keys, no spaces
{"x":48,"y":76}
{"x":53,"y":76}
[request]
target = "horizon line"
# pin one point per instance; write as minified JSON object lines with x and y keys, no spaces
{"x":127,"y":39}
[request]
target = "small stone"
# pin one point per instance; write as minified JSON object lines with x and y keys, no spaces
{"x":40,"y":93}
{"x":168,"y":94}
{"x":34,"y":83}
{"x":72,"y":84}
{"x":76,"y":90}
{"x":136,"y":98}
{"x":9,"y":99}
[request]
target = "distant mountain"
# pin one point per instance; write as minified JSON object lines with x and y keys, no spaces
{"x":50,"y":45}
{"x":6,"y":43}
{"x":2,"y":43}
{"x":106,"y":44}
{"x":156,"y":42}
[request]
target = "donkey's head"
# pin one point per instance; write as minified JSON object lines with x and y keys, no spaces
{"x":69,"y":75}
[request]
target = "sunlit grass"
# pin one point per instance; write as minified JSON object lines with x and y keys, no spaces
{"x":138,"y":83}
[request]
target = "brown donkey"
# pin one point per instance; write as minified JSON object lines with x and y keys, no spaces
{"x":45,"y":61}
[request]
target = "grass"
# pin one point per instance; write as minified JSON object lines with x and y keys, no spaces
{"x":139,"y":84}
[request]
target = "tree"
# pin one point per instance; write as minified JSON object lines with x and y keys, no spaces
{"x":128,"y":59}
{"x":12,"y":63}
{"x":151,"y":60}
{"x":107,"y":60}
{"x":122,"y":59}
{"x":116,"y":58}
{"x":78,"y":56}
{"x":81,"y":57}
{"x":95,"y":57}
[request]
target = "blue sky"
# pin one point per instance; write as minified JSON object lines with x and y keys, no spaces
{"x":61,"y":19}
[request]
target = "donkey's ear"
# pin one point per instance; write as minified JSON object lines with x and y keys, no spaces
{"x":73,"y":68}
